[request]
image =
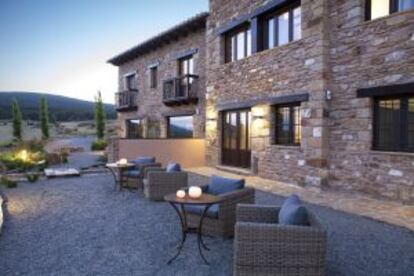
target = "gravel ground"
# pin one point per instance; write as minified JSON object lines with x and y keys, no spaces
{"x":80,"y":226}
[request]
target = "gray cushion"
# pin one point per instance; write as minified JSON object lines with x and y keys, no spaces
{"x":221,"y":185}
{"x":144,"y":160}
{"x":132,"y":173}
{"x":212,"y":212}
{"x":173,"y":167}
{"x":293,"y":212}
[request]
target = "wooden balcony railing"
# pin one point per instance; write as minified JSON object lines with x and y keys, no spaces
{"x":126,"y":100}
{"x":180,"y":90}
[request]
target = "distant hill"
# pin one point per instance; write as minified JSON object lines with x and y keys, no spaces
{"x":61,"y":109}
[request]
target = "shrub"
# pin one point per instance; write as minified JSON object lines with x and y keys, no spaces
{"x":98,"y":145}
{"x":7,"y":182}
{"x":32,"y":177}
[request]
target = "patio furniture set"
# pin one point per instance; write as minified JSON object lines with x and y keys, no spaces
{"x":268,"y":240}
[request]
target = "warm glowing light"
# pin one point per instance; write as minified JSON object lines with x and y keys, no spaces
{"x":23,"y":155}
{"x":211,"y":115}
{"x":180,"y":194}
{"x":122,"y":161}
{"x":258,"y":112}
{"x":259,"y":123}
{"x":195,"y":192}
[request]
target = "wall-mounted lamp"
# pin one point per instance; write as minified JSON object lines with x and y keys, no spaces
{"x":328,"y":95}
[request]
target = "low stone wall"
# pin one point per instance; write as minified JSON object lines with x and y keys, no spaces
{"x":188,"y":152}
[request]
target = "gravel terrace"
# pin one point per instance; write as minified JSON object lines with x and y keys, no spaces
{"x":80,"y":226}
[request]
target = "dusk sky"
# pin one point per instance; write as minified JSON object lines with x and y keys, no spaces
{"x":61,"y":47}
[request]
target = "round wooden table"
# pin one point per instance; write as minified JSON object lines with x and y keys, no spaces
{"x":117,"y":169}
{"x":207,"y":200}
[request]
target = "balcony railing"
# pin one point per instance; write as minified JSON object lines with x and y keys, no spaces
{"x":126,"y":100}
{"x":180,"y":90}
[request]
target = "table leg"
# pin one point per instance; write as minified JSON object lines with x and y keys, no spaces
{"x":199,"y":235}
{"x":115,"y":178}
{"x":183,"y":221}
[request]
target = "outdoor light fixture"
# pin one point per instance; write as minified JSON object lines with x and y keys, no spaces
{"x":180,"y":194}
{"x":195,"y":192}
{"x":258,"y":112}
{"x":122,"y":161}
{"x":23,"y":155}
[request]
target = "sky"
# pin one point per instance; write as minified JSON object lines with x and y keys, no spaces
{"x":61,"y":46}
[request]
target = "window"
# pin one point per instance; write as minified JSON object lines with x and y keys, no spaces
{"x":287,"y":124}
{"x":394,"y":124}
{"x":380,"y":8}
{"x":153,"y":77}
{"x":238,"y":44}
{"x":180,"y":127}
{"x":282,"y":27}
{"x":134,"y":129}
{"x":186,"y":66}
{"x":130,"y":82}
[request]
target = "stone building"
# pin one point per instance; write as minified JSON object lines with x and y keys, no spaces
{"x":162,"y":84}
{"x":314,"y":92}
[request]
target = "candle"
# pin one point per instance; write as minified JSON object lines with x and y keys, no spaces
{"x":180,"y":194}
{"x":195,"y":192}
{"x":122,"y":161}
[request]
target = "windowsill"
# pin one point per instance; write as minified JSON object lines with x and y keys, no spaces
{"x":393,"y":153}
{"x":287,"y":147}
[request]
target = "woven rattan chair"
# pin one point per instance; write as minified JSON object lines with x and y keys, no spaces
{"x":223,"y":225}
{"x":158,"y":182}
{"x":263,"y":247}
{"x":136,"y":175}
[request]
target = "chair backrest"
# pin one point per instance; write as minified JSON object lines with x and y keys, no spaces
{"x":144,"y":160}
{"x":173,"y":167}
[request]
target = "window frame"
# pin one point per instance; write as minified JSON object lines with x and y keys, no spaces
{"x":230,"y":54}
{"x":393,"y":8}
{"x":153,"y":77}
{"x":128,"y":132}
{"x":182,"y":61}
{"x":402,"y":145}
{"x":169,"y":123}
{"x":264,"y":38}
{"x":127,"y":77}
{"x":291,"y":138}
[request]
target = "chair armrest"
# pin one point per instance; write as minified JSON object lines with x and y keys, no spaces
{"x":152,"y":169}
{"x":257,"y":213}
{"x":142,"y":167}
{"x":169,"y":182}
{"x":229,"y":201}
{"x":274,"y":245}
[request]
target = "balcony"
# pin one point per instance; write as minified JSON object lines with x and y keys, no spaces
{"x":126,"y":100}
{"x":180,"y":90}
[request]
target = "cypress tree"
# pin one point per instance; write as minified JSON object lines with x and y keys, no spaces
{"x":17,"y":120}
{"x":44,"y":118}
{"x":99,"y":116}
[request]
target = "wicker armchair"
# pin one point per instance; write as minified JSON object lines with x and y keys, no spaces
{"x":136,"y":176}
{"x":263,"y":247}
{"x":223,"y":225}
{"x":158,"y":183}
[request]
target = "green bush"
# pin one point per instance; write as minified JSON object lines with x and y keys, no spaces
{"x":34,"y":156}
{"x":7,"y":182}
{"x":98,"y":145}
{"x":32,"y":177}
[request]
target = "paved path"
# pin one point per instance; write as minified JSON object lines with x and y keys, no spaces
{"x":382,"y":210}
{"x":80,"y":226}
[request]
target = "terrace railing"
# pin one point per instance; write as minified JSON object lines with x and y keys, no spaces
{"x":180,"y":90}
{"x":126,"y":100}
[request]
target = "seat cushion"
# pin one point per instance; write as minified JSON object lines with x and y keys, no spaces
{"x":212,"y":212}
{"x":132,"y":173}
{"x":293,"y":212}
{"x":173,"y":167}
{"x":144,"y":160}
{"x":221,"y":185}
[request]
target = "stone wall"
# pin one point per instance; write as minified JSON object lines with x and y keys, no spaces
{"x":365,"y":54}
{"x":150,"y":104}
{"x":340,"y":52}
{"x":295,"y":68}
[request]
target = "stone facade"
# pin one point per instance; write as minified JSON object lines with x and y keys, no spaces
{"x":151,"y":108}
{"x":339,"y":52}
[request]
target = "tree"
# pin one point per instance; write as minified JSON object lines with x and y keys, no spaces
{"x":99,"y":116}
{"x":17,"y":120}
{"x":44,"y":118}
